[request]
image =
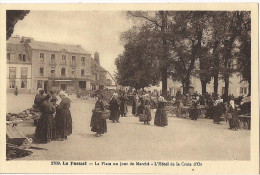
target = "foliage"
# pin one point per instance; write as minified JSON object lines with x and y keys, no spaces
{"x":12,"y":16}
{"x":137,"y":66}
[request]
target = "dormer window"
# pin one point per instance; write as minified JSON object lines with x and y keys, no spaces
{"x":8,"y":56}
{"x":52,"y":57}
{"x":24,"y":57}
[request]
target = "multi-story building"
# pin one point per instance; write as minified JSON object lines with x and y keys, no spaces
{"x":53,"y":66}
{"x":19,"y":66}
{"x":58,"y":66}
{"x":236,"y":86}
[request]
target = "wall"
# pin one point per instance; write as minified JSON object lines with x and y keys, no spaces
{"x":18,"y":77}
{"x":234,"y":85}
{"x":58,"y":65}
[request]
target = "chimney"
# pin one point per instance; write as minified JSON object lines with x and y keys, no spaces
{"x":96,"y":57}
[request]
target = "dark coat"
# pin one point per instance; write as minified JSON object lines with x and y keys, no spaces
{"x":45,"y":130}
{"x":97,"y":124}
{"x":160,"y":115}
{"x":114,"y":109}
{"x":63,"y":119}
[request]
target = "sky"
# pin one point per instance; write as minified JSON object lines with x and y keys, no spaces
{"x":95,"y":31}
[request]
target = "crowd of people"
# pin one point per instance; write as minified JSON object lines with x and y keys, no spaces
{"x":212,"y":106}
{"x":55,"y":122}
{"x":117,"y":105}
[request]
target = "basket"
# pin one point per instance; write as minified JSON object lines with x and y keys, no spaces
{"x":103,"y":114}
{"x":142,"y":117}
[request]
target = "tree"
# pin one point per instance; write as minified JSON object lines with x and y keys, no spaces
{"x":12,"y":17}
{"x":244,"y":54}
{"x":138,"y":66}
{"x":186,"y":37}
{"x":159,"y":21}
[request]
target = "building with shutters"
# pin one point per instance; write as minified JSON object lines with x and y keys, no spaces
{"x":53,"y":66}
{"x":19,"y":65}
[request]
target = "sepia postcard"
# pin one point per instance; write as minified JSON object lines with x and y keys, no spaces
{"x":129,"y":88}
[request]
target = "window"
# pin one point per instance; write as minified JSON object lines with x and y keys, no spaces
{"x":24,"y":83}
{"x":20,"y":56}
{"x":83,"y":61}
{"x":8,"y":56}
{"x":96,"y":77}
{"x":24,"y":72}
{"x":52,"y":57}
{"x":82,"y":73}
{"x":73,"y":60}
{"x":243,"y":90}
{"x":93,"y":87}
{"x":73,"y":72}
{"x":42,"y":57}
{"x":24,"y":57}
{"x":12,"y":72}
{"x":109,"y":82}
{"x":11,"y":84}
{"x":42,"y":71}
{"x":63,"y":72}
{"x":39,"y":84}
{"x":63,"y":59}
{"x":52,"y":72}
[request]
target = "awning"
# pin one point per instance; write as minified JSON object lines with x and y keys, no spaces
{"x":62,"y":80}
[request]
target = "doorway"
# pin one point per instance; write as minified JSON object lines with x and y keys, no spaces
{"x":63,"y":87}
{"x":82,"y":84}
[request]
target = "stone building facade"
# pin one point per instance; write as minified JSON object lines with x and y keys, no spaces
{"x":54,"y":66}
{"x":19,"y":65}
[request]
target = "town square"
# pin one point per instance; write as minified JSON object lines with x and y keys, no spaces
{"x":128,"y":85}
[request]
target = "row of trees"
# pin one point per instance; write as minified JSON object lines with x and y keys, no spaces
{"x":182,"y":44}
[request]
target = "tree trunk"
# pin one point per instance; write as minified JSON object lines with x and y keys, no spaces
{"x":183,"y":87}
{"x":164,"y":81}
{"x":216,"y":83}
{"x":204,"y":87}
{"x":216,"y":66}
{"x":226,"y":88}
{"x":165,"y":52}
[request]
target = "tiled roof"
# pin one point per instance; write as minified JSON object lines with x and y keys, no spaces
{"x":95,"y":65}
{"x":39,"y":45}
{"x":16,"y":48}
{"x":14,"y":40}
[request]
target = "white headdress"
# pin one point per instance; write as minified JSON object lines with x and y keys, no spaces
{"x":62,"y":93}
{"x":39,"y":89}
{"x":161,"y":99}
{"x":232,"y":103}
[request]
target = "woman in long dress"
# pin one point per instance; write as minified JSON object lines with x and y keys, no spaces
{"x":97,"y":124}
{"x":140,"y":106}
{"x":63,"y":118}
{"x":160,"y":115}
{"x":45,"y":130}
{"x":16,"y":91}
{"x":134,"y":105}
{"x":234,"y":120}
{"x":147,"y":110}
{"x":123,"y":105}
{"x":114,"y":108}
